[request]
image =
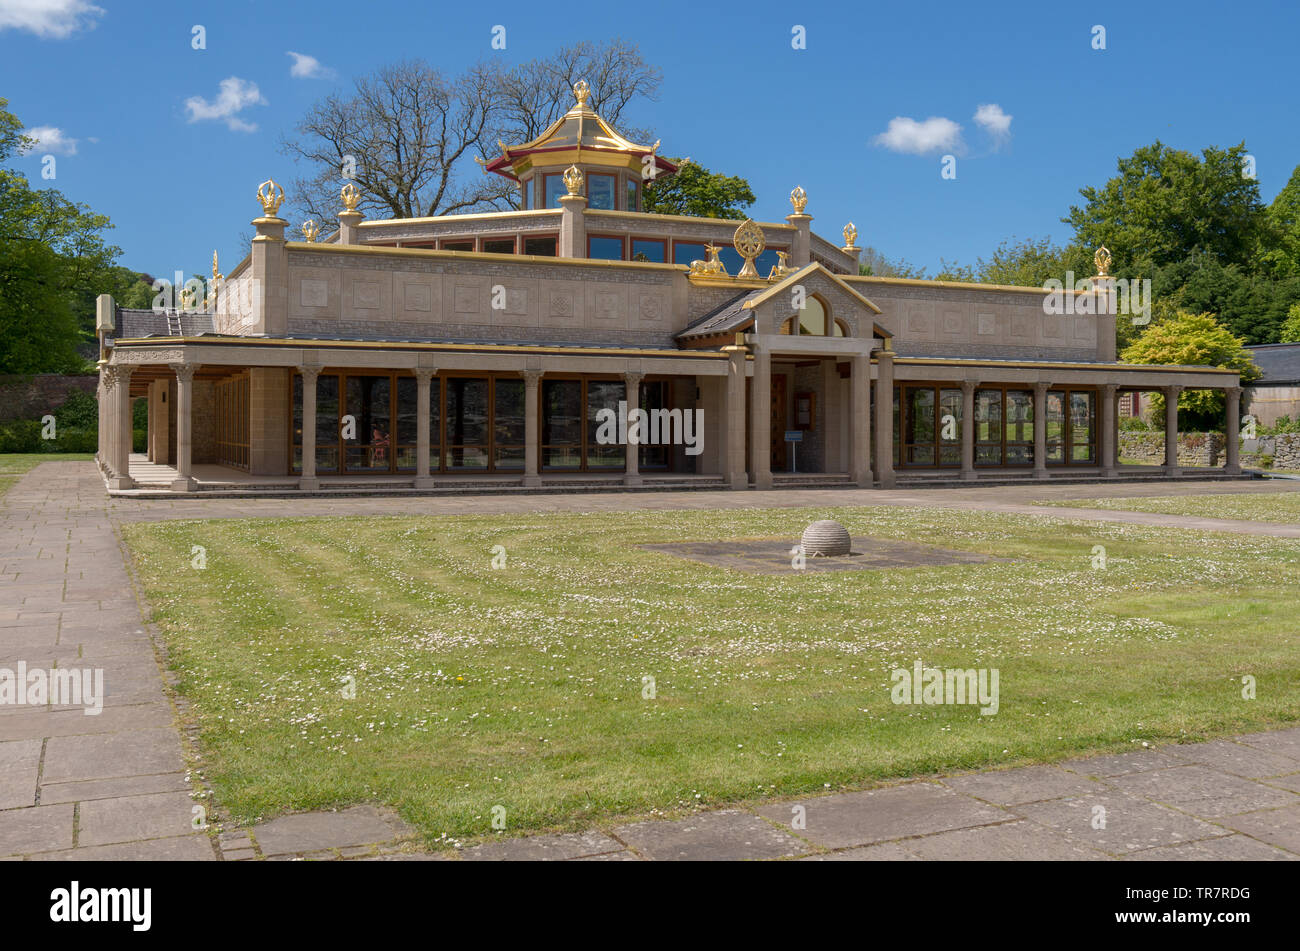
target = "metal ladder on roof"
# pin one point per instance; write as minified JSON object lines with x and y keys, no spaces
{"x":174,"y":324}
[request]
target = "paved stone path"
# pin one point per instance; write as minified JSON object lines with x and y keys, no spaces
{"x":118,"y":785}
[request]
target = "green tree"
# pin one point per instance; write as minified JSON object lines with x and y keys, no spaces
{"x":1283,"y":258}
{"x":1166,"y":203}
{"x":1291,"y":328}
{"x":37,"y":330}
{"x":1185,"y":339}
{"x":75,"y":265}
{"x":875,"y":264}
{"x":1030,"y":262}
{"x":698,"y":192}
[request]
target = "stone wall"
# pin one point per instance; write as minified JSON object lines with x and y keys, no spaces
{"x":1283,"y":450}
{"x":33,"y":396}
{"x":1194,"y":449}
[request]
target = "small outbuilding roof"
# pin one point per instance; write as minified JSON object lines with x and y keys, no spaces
{"x":1280,"y":363}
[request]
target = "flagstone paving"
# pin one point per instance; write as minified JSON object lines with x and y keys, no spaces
{"x":124,"y":785}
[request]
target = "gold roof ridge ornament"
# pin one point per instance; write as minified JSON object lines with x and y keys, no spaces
{"x":799,"y":199}
{"x":850,"y":235}
{"x":351,"y":196}
{"x":781,"y":268}
{"x":573,"y":180}
{"x":217,"y":278}
{"x":749,"y":244}
{"x":581,"y":90}
{"x":713,"y":266}
{"x":310,"y":231}
{"x":1102,"y":259}
{"x":270,"y":201}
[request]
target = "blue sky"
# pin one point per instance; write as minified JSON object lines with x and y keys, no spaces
{"x":113,"y":78}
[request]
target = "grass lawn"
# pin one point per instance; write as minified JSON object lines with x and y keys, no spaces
{"x":1254,"y":507}
{"x":523,"y":687}
{"x":14,"y":465}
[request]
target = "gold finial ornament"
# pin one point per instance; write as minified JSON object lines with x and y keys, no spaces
{"x":267,"y":195}
{"x":781,"y":268}
{"x":1102,"y":259}
{"x":580,"y":92}
{"x":186,"y":299}
{"x":310,"y":231}
{"x":351,"y":196}
{"x":749,"y":244}
{"x":573,"y":179}
{"x":850,"y":235}
{"x":799,"y":199}
{"x":215,"y":283}
{"x":713,"y":266}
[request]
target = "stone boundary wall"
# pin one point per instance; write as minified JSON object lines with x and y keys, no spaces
{"x":31,"y":397}
{"x":1284,"y":448}
{"x":1194,"y":449}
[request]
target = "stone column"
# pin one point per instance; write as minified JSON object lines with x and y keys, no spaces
{"x":184,"y":426}
{"x":573,"y":226}
{"x":968,"y":429}
{"x":308,"y":482}
{"x":1231,"y":431}
{"x":885,"y":418}
{"x":423,"y":376}
{"x":760,"y":420}
{"x":859,"y":419}
{"x":1107,"y":436}
{"x":1040,"y":429}
{"x":733,"y":425}
{"x":532,"y":427}
{"x":632,"y":385}
{"x":121,"y":423}
{"x":801,"y":240}
{"x":1171,"y":430}
{"x":268,"y":262}
{"x":350,"y":227}
{"x":103,"y":395}
{"x":835,"y":457}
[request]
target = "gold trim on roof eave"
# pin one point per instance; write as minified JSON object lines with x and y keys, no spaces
{"x":797,"y":276}
{"x":958,"y":285}
{"x":943,"y":361}
{"x":479,"y":256}
{"x":313,"y":344}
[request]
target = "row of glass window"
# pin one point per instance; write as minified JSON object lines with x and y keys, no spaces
{"x":604,"y":247}
{"x":368,"y":423}
{"x":602,"y":190}
{"x":929,"y":419}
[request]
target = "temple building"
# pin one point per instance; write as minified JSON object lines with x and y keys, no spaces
{"x":484,"y":350}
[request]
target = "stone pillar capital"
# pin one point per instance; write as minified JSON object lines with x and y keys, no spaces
{"x":423,"y":374}
{"x":309,"y":373}
{"x":968,"y":386}
{"x":184,"y":371}
{"x":1232,"y":391}
{"x":633,"y":377}
{"x":532,"y":377}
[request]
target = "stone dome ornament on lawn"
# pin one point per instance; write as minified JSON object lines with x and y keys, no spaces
{"x":826,"y":538}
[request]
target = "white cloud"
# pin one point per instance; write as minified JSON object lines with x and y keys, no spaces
{"x":308,"y":67}
{"x":935,"y":134}
{"x":994,"y":121}
{"x":235,"y":94}
{"x":52,"y":140}
{"x":49,"y":19}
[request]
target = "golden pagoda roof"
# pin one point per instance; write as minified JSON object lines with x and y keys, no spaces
{"x":578,"y":136}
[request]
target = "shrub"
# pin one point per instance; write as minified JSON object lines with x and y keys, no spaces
{"x":21,"y":435}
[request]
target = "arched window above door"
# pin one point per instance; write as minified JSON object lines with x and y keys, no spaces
{"x":814,"y":320}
